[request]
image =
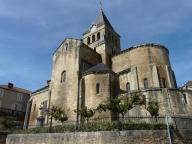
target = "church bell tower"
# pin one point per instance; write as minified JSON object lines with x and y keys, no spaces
{"x":102,"y":38}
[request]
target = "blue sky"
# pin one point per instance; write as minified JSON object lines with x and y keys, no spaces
{"x":30,"y":31}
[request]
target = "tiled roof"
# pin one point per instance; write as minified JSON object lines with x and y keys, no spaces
{"x":16,"y":89}
{"x":99,"y":68}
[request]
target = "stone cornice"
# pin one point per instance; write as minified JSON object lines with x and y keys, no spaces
{"x":142,"y":46}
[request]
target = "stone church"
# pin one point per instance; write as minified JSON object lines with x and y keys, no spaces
{"x":87,"y":71}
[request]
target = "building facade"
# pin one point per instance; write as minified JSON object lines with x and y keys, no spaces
{"x":90,"y":70}
{"x":13,"y":103}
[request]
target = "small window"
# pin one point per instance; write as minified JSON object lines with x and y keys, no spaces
{"x":145,"y":83}
{"x":66,"y":46}
{"x":34,"y":107}
{"x":185,"y":98}
{"x":13,"y":106}
{"x":88,"y":40}
{"x":19,"y":97}
{"x":40,"y":121}
{"x":112,"y":39}
{"x":18,"y":107}
{"x":44,"y":108}
{"x":1,"y":92}
{"x":164,"y":82}
{"x":93,"y":38}
{"x":128,"y":87}
{"x":97,"y":88}
{"x":98,"y":36}
{"x":63,"y":76}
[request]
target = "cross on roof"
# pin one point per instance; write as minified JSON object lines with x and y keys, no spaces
{"x":101,"y":5}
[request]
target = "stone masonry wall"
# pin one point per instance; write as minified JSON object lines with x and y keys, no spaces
{"x":37,"y":99}
{"x":115,"y":137}
{"x":64,"y":94}
{"x":152,"y":62}
{"x":92,"y":99}
{"x":171,"y":102}
{"x":110,"y":137}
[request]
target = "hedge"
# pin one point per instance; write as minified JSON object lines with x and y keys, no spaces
{"x":96,"y":126}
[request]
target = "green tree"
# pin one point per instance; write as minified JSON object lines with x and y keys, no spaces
{"x":112,"y":104}
{"x":85,"y":113}
{"x":116,"y":106}
{"x":58,"y":114}
{"x":137,"y":98}
{"x":125,"y":107}
{"x":153,"y":108}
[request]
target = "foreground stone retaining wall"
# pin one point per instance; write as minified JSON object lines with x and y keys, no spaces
{"x":115,"y":137}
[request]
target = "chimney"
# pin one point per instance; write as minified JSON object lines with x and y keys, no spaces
{"x":48,"y":82}
{"x":10,"y":85}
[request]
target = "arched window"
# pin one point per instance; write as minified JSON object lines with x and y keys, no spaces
{"x":97,"y":88}
{"x":88,"y":40}
{"x":98,"y":36}
{"x":128,"y":87}
{"x":63,"y":76}
{"x":145,"y":83}
{"x":93,"y":38}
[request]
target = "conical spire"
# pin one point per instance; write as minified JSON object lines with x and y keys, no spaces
{"x":102,"y":20}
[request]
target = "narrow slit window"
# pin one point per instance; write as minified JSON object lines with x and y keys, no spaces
{"x":145,"y":83}
{"x":128,"y":87}
{"x":88,"y":40}
{"x":63,"y":76}
{"x":98,"y":36}
{"x":93,"y":38}
{"x":66,"y":46}
{"x":185,"y":98}
{"x":34,"y":108}
{"x":97,"y":88}
{"x":164,"y":83}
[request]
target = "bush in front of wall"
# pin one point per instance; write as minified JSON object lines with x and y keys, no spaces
{"x":97,"y":126}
